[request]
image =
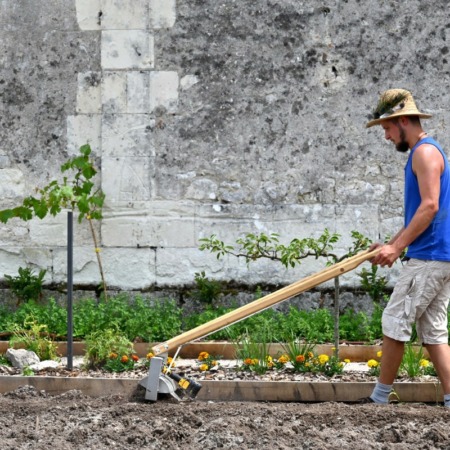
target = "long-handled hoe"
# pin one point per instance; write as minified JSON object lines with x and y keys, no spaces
{"x":161,"y":379}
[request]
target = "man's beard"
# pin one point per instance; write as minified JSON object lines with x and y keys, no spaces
{"x":402,"y":146}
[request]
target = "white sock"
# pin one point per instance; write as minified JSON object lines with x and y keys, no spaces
{"x":447,"y":400}
{"x":381,"y":393}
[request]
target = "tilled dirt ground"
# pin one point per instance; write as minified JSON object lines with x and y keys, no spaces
{"x":31,"y":419}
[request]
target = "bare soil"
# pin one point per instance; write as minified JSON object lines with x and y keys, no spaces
{"x":33,"y":419}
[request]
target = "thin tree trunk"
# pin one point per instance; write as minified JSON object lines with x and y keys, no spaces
{"x":97,"y":252}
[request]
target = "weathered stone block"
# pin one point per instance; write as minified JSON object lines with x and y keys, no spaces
{"x":124,"y":14}
{"x":162,"y":13}
{"x":83,"y":129}
{"x":126,"y":135}
{"x":52,"y":231}
{"x":127,"y":49}
{"x":89,"y":100}
{"x":164,"y":90}
{"x":114,"y":92}
{"x":89,"y":14}
{"x":85,"y":266}
{"x":148,"y":231}
{"x":127,"y":180}
{"x":138,"y":96}
{"x":12,"y":185}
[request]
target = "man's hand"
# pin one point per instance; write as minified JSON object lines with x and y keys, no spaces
{"x":387,"y":256}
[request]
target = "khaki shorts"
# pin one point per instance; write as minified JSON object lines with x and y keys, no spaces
{"x":420,"y":296}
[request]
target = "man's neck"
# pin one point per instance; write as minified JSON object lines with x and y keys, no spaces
{"x":416,"y":137}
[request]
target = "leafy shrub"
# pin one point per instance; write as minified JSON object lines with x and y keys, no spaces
{"x":101,"y":344}
{"x":207,"y":291}
{"x":141,"y":319}
{"x":35,"y":339}
{"x":51,"y":315}
{"x":26,"y":286}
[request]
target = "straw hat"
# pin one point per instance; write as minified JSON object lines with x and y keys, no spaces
{"x":395,"y":103}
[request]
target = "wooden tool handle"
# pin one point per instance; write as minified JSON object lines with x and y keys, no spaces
{"x":265,"y":302}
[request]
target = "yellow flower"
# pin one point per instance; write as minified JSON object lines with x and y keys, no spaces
{"x":150,"y":355}
{"x":323,"y":359}
{"x":124,"y":359}
{"x":424,"y":363}
{"x":255,"y":361}
{"x":170,"y":361}
{"x":113,"y":355}
{"x":283,"y":359}
{"x":372,"y":363}
{"x":310,"y":355}
{"x":379,"y":354}
{"x":203,"y":355}
{"x":346,"y":361}
{"x":204,"y":367}
{"x":213,"y":363}
{"x":269,"y":359}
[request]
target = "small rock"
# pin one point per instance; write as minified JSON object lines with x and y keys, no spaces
{"x":21,"y":358}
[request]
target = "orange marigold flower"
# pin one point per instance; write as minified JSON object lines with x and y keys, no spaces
{"x":248,"y":361}
{"x":310,"y":355}
{"x":283,"y":359}
{"x":150,"y":355}
{"x":203,"y":355}
{"x":300,"y":358}
{"x":135,"y":358}
{"x":113,"y":355}
{"x":124,"y":359}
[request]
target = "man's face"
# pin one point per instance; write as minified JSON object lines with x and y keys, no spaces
{"x":394,"y":132}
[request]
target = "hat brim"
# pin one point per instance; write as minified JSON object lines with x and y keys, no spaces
{"x":393,"y":116}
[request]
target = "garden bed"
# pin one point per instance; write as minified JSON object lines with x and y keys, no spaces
{"x":228,"y":382}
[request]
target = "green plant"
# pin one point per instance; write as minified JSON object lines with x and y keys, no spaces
{"x":254,"y":352}
{"x":102,"y":343}
{"x":77,"y":193}
{"x":26,"y":285}
{"x":35,"y":339}
{"x":27,"y":372}
{"x":374,"y":368}
{"x":120,"y":363}
{"x":50,"y":314}
{"x":411,"y":361}
{"x":372,"y":283}
{"x":328,"y":365}
{"x":355,"y":327}
{"x":206,"y":361}
{"x":3,"y":360}
{"x":138,"y":319}
{"x":207,"y":291}
{"x":300,"y":354}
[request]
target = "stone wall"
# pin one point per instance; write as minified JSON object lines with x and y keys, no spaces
{"x":210,"y":117}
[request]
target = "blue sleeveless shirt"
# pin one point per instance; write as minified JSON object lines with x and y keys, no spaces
{"x":434,"y":242}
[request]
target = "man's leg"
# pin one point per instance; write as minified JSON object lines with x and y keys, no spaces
{"x":391,"y":358}
{"x":390,"y":362}
{"x":440,"y":356}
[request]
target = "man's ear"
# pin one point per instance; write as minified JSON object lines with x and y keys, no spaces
{"x":404,"y":120}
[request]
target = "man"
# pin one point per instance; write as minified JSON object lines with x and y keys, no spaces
{"x":422,"y":292}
